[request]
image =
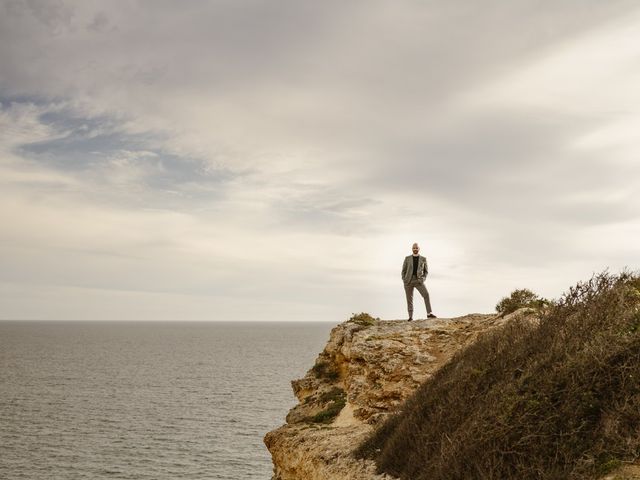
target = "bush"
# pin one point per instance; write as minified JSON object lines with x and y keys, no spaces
{"x":336,"y":400}
{"x":363,"y":318}
{"x":558,"y":399}
{"x":519,"y":299}
{"x":323,"y":369}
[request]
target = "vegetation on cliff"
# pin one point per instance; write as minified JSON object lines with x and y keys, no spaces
{"x":521,"y":298}
{"x":364,"y":319}
{"x":335,"y":400}
{"x":553,"y":398}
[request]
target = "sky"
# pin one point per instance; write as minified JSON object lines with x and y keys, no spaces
{"x":275,"y":160}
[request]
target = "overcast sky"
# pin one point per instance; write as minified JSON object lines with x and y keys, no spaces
{"x":275,"y":160}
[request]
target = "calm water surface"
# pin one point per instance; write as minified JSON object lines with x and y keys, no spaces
{"x":147,"y":400}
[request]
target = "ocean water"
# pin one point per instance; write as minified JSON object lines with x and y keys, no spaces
{"x":147,"y":400}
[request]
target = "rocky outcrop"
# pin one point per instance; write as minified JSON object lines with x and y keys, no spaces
{"x":363,"y":375}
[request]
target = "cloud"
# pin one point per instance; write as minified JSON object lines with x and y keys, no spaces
{"x":256,"y":78}
{"x":295,"y":150}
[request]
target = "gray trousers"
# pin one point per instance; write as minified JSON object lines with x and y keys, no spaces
{"x":418,"y":285}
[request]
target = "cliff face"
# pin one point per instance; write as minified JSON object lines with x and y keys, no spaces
{"x":364,"y":374}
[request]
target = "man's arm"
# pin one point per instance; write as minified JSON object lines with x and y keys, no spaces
{"x":404,"y":268}
{"x":426,"y":267}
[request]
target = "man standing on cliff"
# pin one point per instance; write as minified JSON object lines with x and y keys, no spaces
{"x":414,"y":272}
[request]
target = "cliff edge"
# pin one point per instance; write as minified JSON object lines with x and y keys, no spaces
{"x":364,"y":373}
{"x":550,"y":391}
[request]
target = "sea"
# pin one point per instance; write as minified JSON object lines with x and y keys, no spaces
{"x":147,"y":400}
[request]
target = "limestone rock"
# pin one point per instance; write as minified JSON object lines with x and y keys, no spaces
{"x":363,"y":375}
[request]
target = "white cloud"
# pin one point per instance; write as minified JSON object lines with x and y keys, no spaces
{"x":228,"y":161}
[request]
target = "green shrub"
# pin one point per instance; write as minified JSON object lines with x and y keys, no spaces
{"x":518,"y":299}
{"x":558,"y":399}
{"x":363,"y":318}
{"x":323,"y":369}
{"x":336,"y":399}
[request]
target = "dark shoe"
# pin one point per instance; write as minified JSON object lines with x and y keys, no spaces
{"x":431,"y":315}
{"x":410,"y":319}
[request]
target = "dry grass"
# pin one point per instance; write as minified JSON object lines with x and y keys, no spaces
{"x":558,"y":399}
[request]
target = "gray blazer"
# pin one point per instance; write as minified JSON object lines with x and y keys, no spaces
{"x":407,"y":268}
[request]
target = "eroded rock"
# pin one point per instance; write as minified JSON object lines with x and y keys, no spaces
{"x":363,"y":375}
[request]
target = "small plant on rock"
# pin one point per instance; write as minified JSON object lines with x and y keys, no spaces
{"x":324,"y":369}
{"x":336,"y":399}
{"x":363,"y":318}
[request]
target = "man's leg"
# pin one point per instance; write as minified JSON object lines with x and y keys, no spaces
{"x":425,"y":294}
{"x":408,"y":290}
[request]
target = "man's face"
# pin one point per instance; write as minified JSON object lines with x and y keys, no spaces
{"x":415,"y":248}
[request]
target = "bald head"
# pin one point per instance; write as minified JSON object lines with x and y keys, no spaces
{"x":415,"y":248}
